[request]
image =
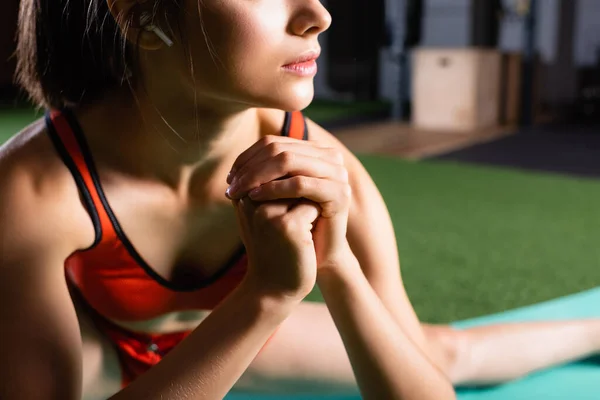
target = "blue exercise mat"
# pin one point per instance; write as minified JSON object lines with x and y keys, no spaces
{"x":576,"y":381}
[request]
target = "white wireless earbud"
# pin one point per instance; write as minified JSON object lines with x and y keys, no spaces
{"x":146,"y":23}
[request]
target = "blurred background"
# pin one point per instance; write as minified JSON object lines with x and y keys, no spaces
{"x":478,"y":120}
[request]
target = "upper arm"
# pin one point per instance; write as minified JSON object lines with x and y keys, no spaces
{"x":39,"y":334}
{"x":41,"y":356}
{"x":372,"y":239}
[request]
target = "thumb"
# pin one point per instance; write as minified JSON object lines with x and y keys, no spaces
{"x":305,"y":211}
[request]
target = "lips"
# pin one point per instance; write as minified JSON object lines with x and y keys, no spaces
{"x":305,"y":58}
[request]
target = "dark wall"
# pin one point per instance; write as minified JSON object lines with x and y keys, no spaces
{"x":560,"y":88}
{"x":485,"y":23}
{"x":8,"y":25}
{"x":354,"y":39}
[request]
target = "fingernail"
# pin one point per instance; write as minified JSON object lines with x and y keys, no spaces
{"x":231,"y":190}
{"x":227,"y":193}
{"x":230,"y":176}
{"x":254,"y":193}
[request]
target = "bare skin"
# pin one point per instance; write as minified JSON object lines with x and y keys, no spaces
{"x":100,"y":379}
{"x":172,"y":205}
{"x":270,"y":371}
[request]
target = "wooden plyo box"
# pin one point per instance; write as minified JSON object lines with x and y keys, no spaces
{"x":456,"y":89}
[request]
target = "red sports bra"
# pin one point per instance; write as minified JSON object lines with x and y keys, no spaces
{"x":110,"y":275}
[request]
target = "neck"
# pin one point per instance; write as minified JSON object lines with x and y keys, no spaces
{"x":169,"y":138}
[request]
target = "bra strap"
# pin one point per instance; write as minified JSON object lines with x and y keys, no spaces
{"x":294,"y":126}
{"x":72,"y":150}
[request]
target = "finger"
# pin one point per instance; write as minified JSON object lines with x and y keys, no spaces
{"x":265,"y":211}
{"x":238,"y":207}
{"x":251,"y":213}
{"x":247,"y":206}
{"x":333,"y":197}
{"x":271,"y":146}
{"x":305,"y":211}
{"x":275,"y":148}
{"x":252,"y":150}
{"x":285,"y":165}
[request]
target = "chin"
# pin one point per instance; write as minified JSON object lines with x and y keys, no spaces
{"x":292,"y":98}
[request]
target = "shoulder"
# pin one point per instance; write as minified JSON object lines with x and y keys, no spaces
{"x":39,"y":198}
{"x":270,"y":121}
{"x":27,"y":164}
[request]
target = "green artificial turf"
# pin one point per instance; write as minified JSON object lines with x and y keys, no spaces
{"x":475,"y":240}
{"x":323,"y":111}
{"x":12,"y":120}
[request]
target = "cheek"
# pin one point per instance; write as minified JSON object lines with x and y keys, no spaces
{"x":238,"y":48}
{"x":240,"y":44}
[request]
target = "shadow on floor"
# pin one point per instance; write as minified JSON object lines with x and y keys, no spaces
{"x":565,"y":149}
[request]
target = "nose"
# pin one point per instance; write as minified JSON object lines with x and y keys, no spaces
{"x":309,"y":17}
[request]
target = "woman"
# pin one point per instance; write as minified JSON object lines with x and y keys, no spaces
{"x":119,"y":247}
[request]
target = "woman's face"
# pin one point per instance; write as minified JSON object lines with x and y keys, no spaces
{"x":251,"y":51}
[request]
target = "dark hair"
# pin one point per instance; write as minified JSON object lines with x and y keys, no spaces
{"x":69,"y":52}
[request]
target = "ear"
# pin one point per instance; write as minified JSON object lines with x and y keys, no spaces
{"x":128,"y":15}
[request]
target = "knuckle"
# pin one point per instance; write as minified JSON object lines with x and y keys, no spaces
{"x":346,"y":193}
{"x":347,"y":190}
{"x":344,"y":197}
{"x":267,"y":140}
{"x":342,"y":174}
{"x":300,"y":184}
{"x":336,"y":156}
{"x":274,"y":149}
{"x":330,"y":209}
{"x":287,"y":158}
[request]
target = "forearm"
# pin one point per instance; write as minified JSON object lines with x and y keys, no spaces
{"x":211,"y":359}
{"x":385,"y":362}
{"x":305,"y":356}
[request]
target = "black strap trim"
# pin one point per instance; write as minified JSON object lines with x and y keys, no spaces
{"x":81,"y":186}
{"x":287,"y":122}
{"x":305,"y":136}
{"x":186,"y":287}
